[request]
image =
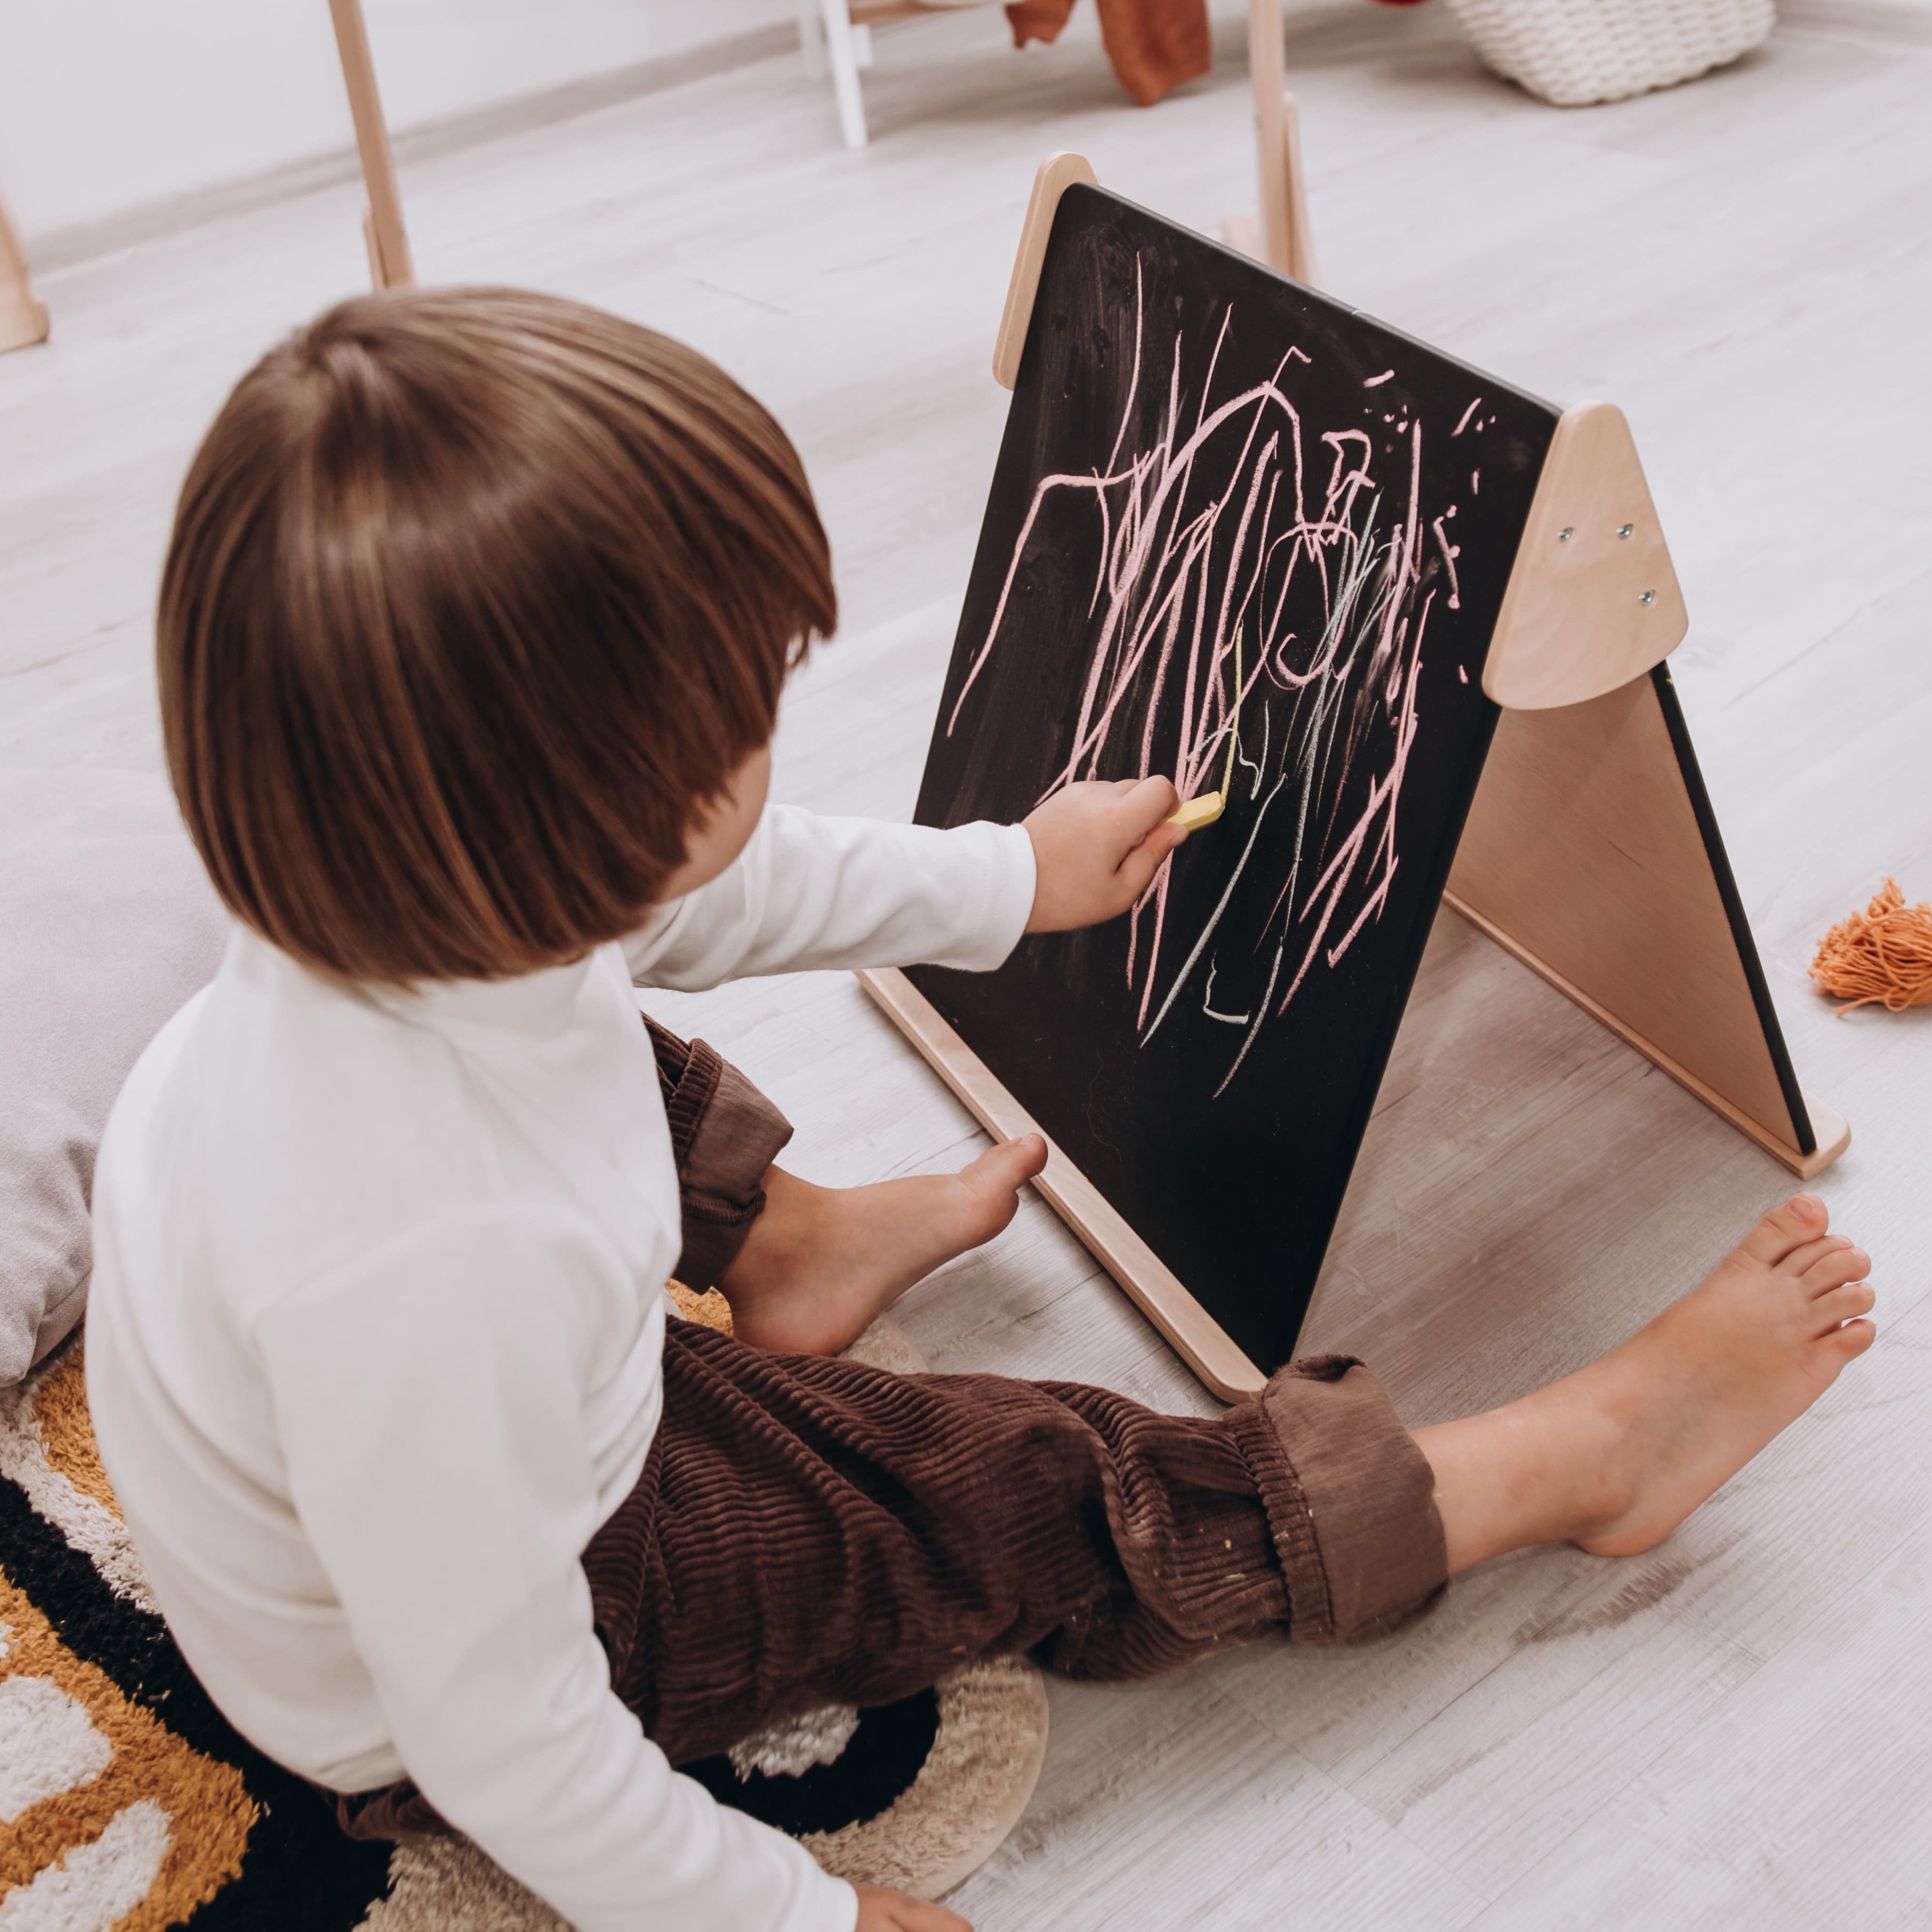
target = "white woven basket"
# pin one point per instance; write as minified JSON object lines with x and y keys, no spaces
{"x":1573,"y":52}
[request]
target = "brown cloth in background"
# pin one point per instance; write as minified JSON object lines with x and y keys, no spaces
{"x":1153,"y":45}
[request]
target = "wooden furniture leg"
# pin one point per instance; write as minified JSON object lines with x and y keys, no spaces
{"x":1279,"y":235}
{"x":841,"y":49}
{"x":811,"y":45}
{"x":389,"y":264}
{"x":23,"y":316}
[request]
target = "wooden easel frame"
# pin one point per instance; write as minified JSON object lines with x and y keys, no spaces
{"x":1590,"y":852}
{"x":383,"y":234}
{"x":23,"y":316}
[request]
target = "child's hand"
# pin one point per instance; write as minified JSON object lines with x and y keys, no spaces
{"x":893,"y":1912}
{"x":1095,"y":846}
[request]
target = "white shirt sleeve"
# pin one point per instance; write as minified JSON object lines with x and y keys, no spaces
{"x":429,"y":1403}
{"x":808,"y":891}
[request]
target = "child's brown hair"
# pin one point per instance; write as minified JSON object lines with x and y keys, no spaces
{"x":475,"y":597}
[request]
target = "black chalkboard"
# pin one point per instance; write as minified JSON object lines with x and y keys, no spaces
{"x":1204,"y":461}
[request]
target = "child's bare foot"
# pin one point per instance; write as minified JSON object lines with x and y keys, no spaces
{"x":1616,"y":1456}
{"x":819,"y":1262}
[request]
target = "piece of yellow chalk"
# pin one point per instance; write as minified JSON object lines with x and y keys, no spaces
{"x":1201,"y":810}
{"x":1205,"y":807}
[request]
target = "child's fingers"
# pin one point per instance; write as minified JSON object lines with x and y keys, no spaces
{"x":879,"y":1909}
{"x":924,"y":1918}
{"x":1144,"y":804}
{"x":1137,"y":869}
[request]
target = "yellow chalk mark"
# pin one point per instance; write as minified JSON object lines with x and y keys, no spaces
{"x":1203,"y":808}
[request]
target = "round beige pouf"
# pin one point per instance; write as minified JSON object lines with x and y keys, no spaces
{"x":968,"y":1797}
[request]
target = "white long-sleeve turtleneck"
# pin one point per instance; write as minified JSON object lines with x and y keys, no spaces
{"x":374,"y":1346}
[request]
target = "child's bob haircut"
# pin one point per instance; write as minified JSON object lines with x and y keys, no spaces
{"x":476,"y":598}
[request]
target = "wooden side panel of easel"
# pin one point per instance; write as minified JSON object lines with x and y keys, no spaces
{"x":1584,"y":856}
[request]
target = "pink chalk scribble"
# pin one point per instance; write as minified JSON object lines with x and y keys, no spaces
{"x":1224,"y":524}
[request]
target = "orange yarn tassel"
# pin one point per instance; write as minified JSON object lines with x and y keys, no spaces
{"x":1884,"y":952}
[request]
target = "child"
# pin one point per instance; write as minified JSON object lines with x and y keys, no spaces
{"x":471,"y":640}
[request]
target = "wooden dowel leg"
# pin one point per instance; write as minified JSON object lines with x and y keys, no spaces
{"x":1280,"y":235}
{"x":842,"y":50}
{"x":23,"y":316}
{"x":389,"y":264}
{"x":1299,"y":260}
{"x":1267,"y":73}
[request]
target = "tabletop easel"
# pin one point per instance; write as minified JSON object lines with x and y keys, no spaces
{"x":1591,"y":853}
{"x":382,"y":232}
{"x":23,"y":316}
{"x":1279,"y":234}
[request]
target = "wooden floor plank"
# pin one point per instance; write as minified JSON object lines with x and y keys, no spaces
{"x":1237,"y":1832}
{"x":1798,"y":1802}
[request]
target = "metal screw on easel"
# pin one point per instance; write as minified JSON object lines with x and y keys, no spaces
{"x":1626,"y":530}
{"x":1564,"y":535}
{"x":1648,"y":597}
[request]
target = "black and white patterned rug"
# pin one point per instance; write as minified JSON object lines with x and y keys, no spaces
{"x":128,"y":1804}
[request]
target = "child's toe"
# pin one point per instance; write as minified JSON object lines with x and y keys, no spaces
{"x":1842,"y":1304}
{"x":1835,"y":1267}
{"x":1802,"y":1256}
{"x":1853,"y":1339}
{"x":1801,"y":1219}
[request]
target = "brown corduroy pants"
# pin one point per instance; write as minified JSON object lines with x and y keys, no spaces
{"x":809,"y":1531}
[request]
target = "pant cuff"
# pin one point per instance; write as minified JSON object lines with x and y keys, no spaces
{"x":1351,"y":1499}
{"x":724,"y":1134}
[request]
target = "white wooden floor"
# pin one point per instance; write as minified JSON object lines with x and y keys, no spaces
{"x":1736,"y":1729}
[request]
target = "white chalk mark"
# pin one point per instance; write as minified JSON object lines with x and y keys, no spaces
{"x":1207,"y":1004}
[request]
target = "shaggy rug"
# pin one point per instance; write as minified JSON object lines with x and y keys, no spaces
{"x":128,"y":1802}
